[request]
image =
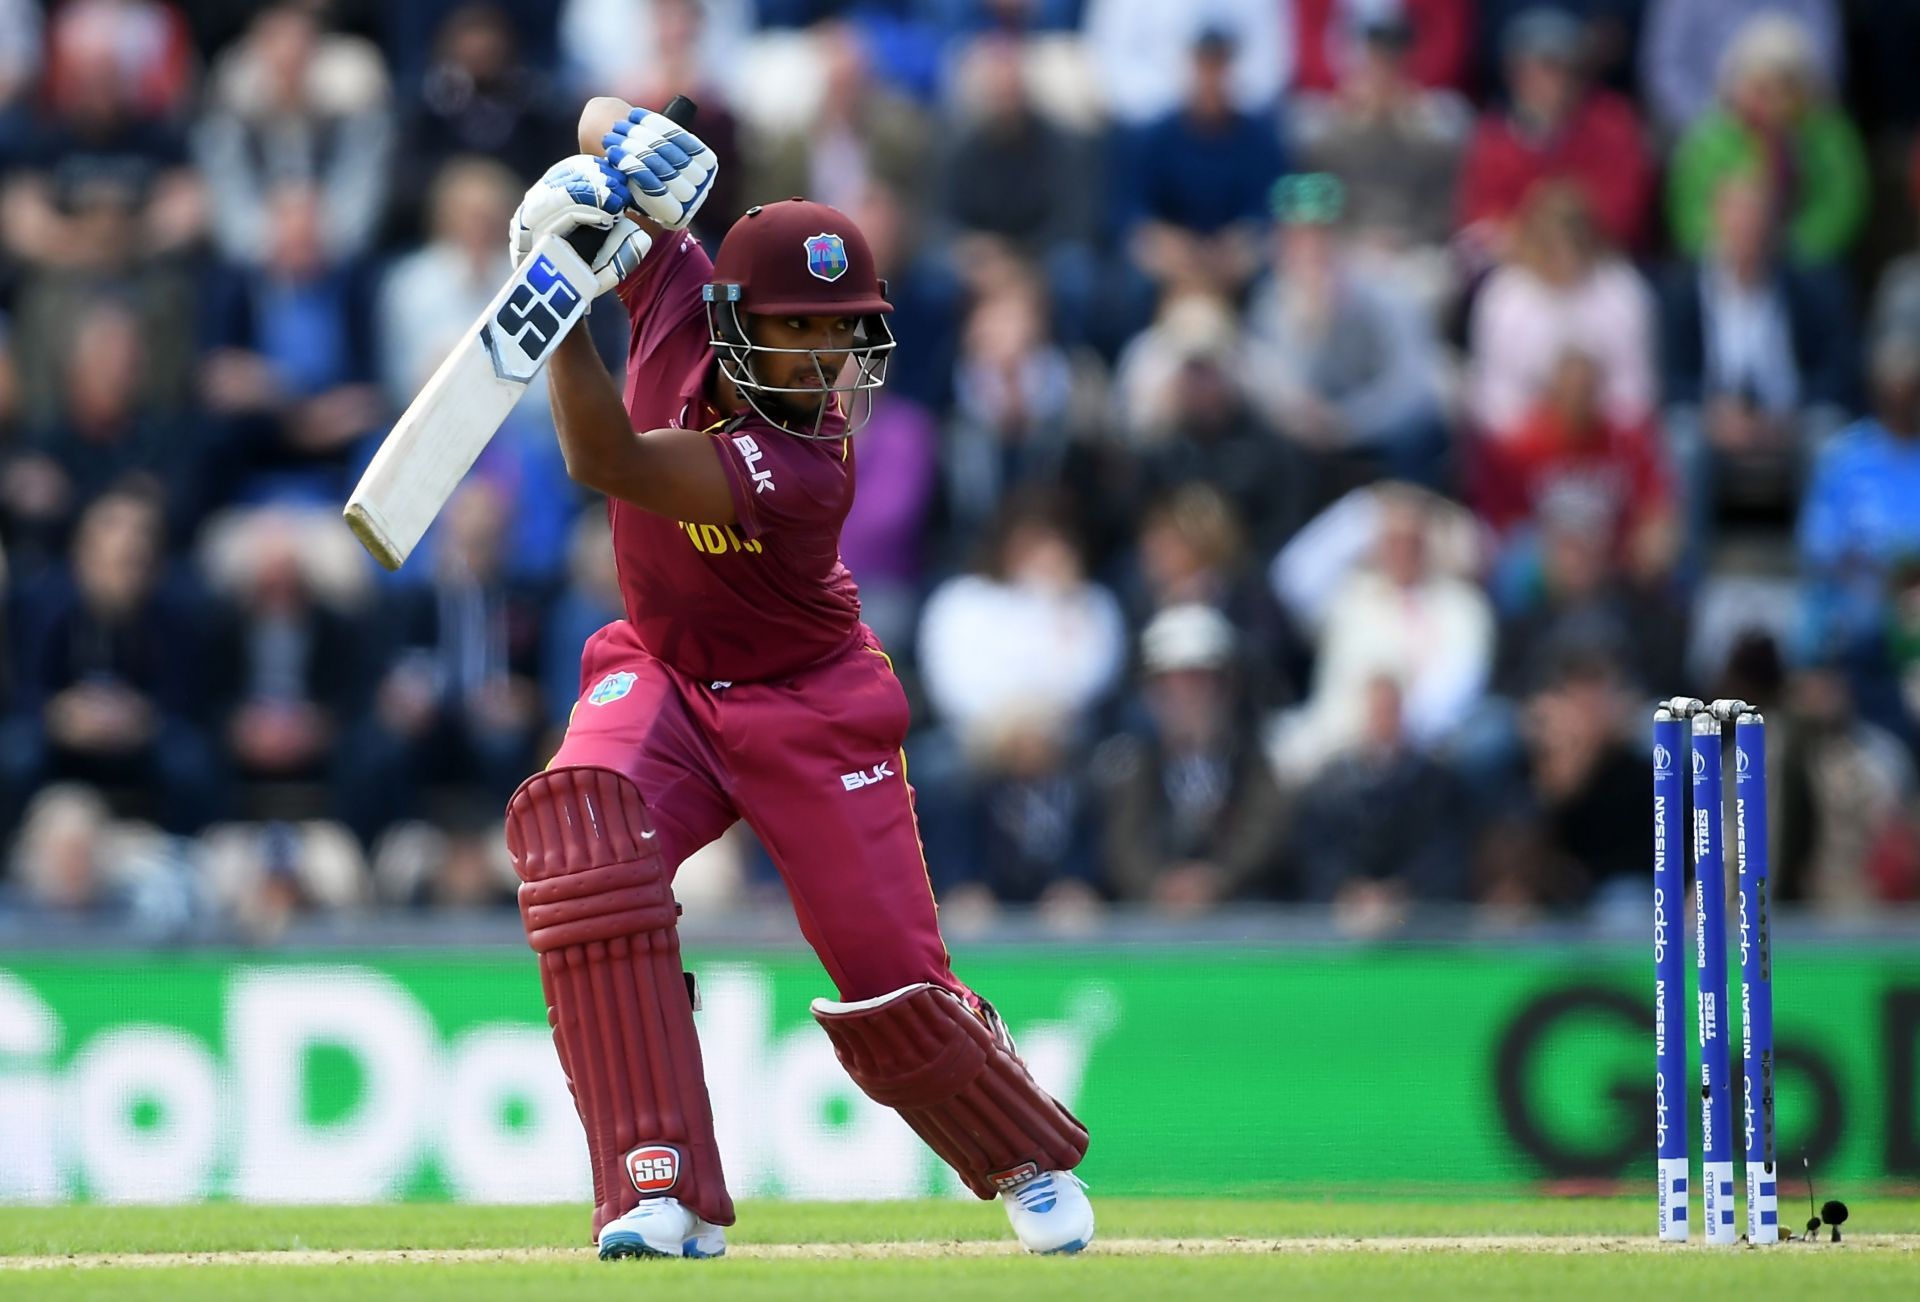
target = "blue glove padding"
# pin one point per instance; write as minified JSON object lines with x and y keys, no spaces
{"x":581,"y":192}
{"x":668,"y":170}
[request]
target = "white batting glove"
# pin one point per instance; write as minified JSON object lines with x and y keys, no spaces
{"x":624,"y":248}
{"x":581,"y":192}
{"x":668,"y":169}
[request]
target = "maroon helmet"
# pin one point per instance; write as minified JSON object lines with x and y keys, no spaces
{"x":798,"y":258}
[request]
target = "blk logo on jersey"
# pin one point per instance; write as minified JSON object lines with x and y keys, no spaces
{"x":751,"y":454}
{"x":866,"y":777}
{"x":826,"y":256}
{"x":654,"y":1169}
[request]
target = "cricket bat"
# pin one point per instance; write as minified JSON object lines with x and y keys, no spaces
{"x":443,"y":431}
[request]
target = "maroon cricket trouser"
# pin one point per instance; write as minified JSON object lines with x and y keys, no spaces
{"x":812,"y":762}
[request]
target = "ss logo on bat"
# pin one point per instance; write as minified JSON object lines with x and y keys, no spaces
{"x":531,"y":316}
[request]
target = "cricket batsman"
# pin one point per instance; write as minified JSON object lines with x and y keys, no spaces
{"x":742,"y":684}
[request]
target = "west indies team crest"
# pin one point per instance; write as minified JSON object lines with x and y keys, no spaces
{"x":611,"y":688}
{"x":826,"y":256}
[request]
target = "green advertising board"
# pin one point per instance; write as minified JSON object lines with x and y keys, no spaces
{"x":428,"y":1074}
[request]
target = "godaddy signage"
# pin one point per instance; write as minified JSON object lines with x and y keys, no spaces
{"x":430,"y":1074}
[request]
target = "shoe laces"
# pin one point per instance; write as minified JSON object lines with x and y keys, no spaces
{"x":1038,"y":1194}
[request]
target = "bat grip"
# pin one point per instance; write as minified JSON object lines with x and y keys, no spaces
{"x":586,"y":241}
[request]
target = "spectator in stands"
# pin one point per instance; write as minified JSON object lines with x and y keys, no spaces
{"x":1578,"y":832}
{"x":1396,"y":145}
{"x":1861,"y":513}
{"x":1211,"y":436}
{"x":1569,"y":459}
{"x":22,"y":54}
{"x":1402,"y":617}
{"x":1191,"y":221}
{"x":1759,"y":356}
{"x":287,"y":667}
{"x":1044,"y":226}
{"x":1336,"y":39}
{"x":1774,"y":122}
{"x":1556,"y":126}
{"x":109,"y":684}
{"x":118,"y":72}
{"x":1609,"y":35}
{"x":1381,"y":826}
{"x":262,"y":876}
{"x":1847,"y":841}
{"x":103,"y":434}
{"x":1561,"y":289}
{"x":1192,"y":550}
{"x":1018,"y":417}
{"x":618,"y":47}
{"x":459,"y":702}
{"x":293,"y":106}
{"x":1028,"y":831}
{"x":1133,"y":45}
{"x":72,"y":858}
{"x":479,"y":96}
{"x":1192,"y":814}
{"x":861,"y":134}
{"x":448,"y":867}
{"x":1568,"y":589}
{"x":288,"y":375}
{"x":1027,"y":631}
{"x":1345,"y":365}
{"x":1684,"y":41}
{"x":99,"y":199}
{"x":883,"y":537}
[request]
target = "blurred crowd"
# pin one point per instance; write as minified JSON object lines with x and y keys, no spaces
{"x":1320,"y":429}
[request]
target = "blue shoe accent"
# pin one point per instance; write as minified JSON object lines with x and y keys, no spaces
{"x":621,"y":1244}
{"x":691,"y":1248}
{"x":1065,"y":1249}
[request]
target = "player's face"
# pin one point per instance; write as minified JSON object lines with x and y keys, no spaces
{"x":827,"y":338}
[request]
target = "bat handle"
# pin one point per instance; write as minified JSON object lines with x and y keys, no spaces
{"x":586,"y":242}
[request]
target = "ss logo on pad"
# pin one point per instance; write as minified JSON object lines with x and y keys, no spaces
{"x":654,"y":1168}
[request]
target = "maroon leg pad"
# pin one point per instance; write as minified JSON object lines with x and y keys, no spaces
{"x":955,"y":1078}
{"x":599,"y":911}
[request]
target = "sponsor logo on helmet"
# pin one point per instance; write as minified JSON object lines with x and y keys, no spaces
{"x":654,"y":1169}
{"x":826,"y":256}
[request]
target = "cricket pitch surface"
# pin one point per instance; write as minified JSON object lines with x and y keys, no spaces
{"x":1542,"y":1247}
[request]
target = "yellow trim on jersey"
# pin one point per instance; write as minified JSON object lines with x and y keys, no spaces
{"x":575,"y":709}
{"x":913,"y":816}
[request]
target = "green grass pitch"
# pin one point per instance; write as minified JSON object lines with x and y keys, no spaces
{"x":1564,"y":1249}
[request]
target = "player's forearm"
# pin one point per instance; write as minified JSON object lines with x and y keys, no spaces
{"x":597,"y":118}
{"x":673,"y":472}
{"x":596,"y":436}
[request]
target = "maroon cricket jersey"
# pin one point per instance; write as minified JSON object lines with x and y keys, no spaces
{"x":767,"y":595}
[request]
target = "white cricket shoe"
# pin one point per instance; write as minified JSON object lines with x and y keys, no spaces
{"x":1050,"y":1212}
{"x":661,"y":1227}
